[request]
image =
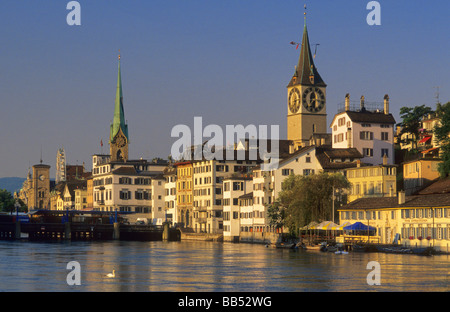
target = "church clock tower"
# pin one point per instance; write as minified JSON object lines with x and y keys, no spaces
{"x":306,"y":98}
{"x":118,"y":138}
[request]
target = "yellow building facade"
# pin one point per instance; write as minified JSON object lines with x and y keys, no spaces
{"x":418,"y":173}
{"x":184,"y":191}
{"x":372,"y":181}
{"x":421,"y":220}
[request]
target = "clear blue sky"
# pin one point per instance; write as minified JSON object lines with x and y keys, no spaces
{"x":228,"y":61}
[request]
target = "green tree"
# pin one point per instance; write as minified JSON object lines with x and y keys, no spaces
{"x":276,"y":215}
{"x":304,"y":199}
{"x":6,"y":201}
{"x":411,"y":122}
{"x":442,"y":133}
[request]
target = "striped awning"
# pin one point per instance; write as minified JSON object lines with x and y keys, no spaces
{"x":325,"y":225}
{"x":341,"y":227}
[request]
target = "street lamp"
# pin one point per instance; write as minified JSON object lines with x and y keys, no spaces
{"x":17,"y":206}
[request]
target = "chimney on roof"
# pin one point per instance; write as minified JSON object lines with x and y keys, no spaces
{"x":358,"y":163}
{"x":385,"y":160}
{"x":386,"y":104}
{"x":361,"y":101}
{"x":347,"y":102}
{"x":401,"y":197}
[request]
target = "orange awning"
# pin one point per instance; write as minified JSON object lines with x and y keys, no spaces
{"x":429,"y":150}
{"x":425,"y":139}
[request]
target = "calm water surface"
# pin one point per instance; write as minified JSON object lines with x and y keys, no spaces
{"x":209,"y":266}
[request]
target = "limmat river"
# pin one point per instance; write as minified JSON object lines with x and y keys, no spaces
{"x":210,"y":267}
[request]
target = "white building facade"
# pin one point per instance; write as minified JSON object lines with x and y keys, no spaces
{"x":132,"y":186}
{"x":233,"y":188}
{"x":370,"y":132}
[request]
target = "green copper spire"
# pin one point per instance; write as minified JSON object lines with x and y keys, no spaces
{"x":119,"y":115}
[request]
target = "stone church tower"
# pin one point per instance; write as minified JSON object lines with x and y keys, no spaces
{"x":306,"y":98}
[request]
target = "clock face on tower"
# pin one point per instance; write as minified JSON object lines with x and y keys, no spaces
{"x":313,"y":99}
{"x":120,"y":141}
{"x":294,"y":100}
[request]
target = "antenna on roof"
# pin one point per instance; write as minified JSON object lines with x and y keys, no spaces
{"x":437,"y":95}
{"x":315,"y":49}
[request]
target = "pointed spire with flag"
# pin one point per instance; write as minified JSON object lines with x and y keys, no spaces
{"x":306,"y":72}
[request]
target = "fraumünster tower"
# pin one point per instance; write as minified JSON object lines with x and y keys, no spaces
{"x":118,"y":137}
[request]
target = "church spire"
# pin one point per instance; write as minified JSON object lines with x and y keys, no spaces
{"x":119,"y":115}
{"x":306,"y":72}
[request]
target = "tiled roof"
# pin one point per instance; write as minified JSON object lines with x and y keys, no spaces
{"x":371,"y":117}
{"x":436,"y":195}
{"x":441,"y":186}
{"x":125,"y":171}
{"x":425,"y":201}
{"x":327,"y":156}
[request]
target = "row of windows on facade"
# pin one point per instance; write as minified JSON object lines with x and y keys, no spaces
{"x":124,"y":194}
{"x":227,"y":228}
{"x":363,"y":135}
{"x":223,"y":168}
{"x":371,"y":172}
{"x":439,"y":232}
{"x":369,"y":188}
{"x":404,"y":214}
{"x":107,"y":168}
{"x":415,"y":167}
{"x":242,"y":215}
{"x":171,"y":191}
{"x":137,"y":209}
{"x":259,"y":228}
{"x":265,"y":174}
{"x":208,"y":214}
{"x":171,"y":178}
{"x":187,"y":185}
{"x":169,"y":204}
{"x":341,"y":122}
{"x":368,"y":152}
{"x":124,"y":180}
{"x":102,"y":169}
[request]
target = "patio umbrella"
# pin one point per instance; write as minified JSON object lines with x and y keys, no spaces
{"x":326,"y":225}
{"x":341,"y":226}
{"x":358,"y":226}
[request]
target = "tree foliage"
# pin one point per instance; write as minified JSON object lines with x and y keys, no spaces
{"x":6,"y":201}
{"x":442,"y":133}
{"x":411,"y":122}
{"x":304,"y":199}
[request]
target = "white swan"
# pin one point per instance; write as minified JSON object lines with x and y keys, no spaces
{"x":113,"y":274}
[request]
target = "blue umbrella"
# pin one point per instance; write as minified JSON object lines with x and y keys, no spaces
{"x":358,"y":226}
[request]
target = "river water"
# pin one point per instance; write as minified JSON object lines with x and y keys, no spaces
{"x":209,"y":267}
